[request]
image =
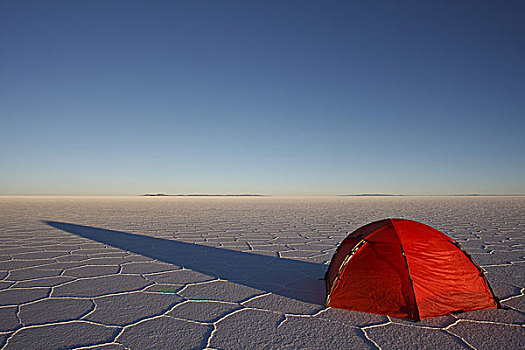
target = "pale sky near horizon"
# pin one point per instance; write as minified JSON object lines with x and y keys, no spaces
{"x":268,"y":97}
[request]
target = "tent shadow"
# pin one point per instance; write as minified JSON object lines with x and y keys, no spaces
{"x":293,"y":279}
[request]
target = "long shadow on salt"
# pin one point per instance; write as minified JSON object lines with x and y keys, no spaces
{"x":294,"y":279}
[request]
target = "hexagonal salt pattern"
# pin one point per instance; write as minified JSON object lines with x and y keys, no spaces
{"x":232,"y":273}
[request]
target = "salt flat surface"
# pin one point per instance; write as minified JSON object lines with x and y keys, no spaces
{"x":232,"y":273}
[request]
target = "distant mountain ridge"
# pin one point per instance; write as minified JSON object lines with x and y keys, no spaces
{"x":201,"y":195}
{"x":371,"y":195}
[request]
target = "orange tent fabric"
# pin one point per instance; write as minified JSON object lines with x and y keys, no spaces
{"x":405,"y":269}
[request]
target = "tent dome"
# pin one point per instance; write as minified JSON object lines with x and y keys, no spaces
{"x":405,"y":269}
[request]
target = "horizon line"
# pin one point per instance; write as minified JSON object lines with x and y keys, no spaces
{"x":267,"y":195}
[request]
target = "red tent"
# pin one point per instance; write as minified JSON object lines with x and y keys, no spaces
{"x":405,"y":269}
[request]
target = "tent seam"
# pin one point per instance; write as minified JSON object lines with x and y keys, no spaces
{"x":354,"y":250}
{"x":481,"y":271}
{"x":418,"y":317}
{"x":343,"y":266}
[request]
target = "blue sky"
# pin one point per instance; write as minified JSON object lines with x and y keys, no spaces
{"x":270,"y":97}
